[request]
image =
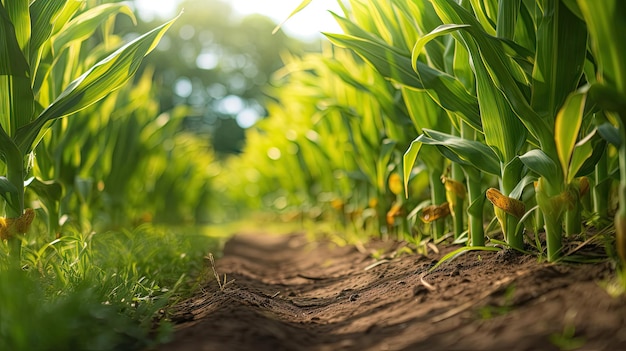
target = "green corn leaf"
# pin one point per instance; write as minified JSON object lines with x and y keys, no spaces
{"x":8,"y":191}
{"x":540,"y":163}
{"x":51,"y":191}
{"x":610,"y":134}
{"x":485,"y":12}
{"x":566,"y":129}
{"x":423,"y":111}
{"x":84,"y":25}
{"x":560,"y":57}
{"x":16,"y":100}
{"x":17,"y":11}
{"x":408,"y":162}
{"x":421,"y":42}
{"x":43,"y":16}
{"x":467,"y":152}
{"x":448,"y":92}
{"x":507,"y":18}
{"x":582,"y":152}
{"x":386,"y":151}
{"x":503,"y":73}
{"x":606,"y":22}
{"x":300,"y":7}
{"x":106,"y":76}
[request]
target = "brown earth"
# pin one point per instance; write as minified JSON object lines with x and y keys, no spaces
{"x":288,"y":293}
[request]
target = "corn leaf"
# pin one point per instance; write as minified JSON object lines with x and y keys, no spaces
{"x":560,"y":57}
{"x":540,"y":163}
{"x":7,"y":190}
{"x":463,"y":151}
{"x":606,"y":22}
{"x":610,"y":133}
{"x":106,"y":76}
{"x":507,"y":18}
{"x":300,"y":7}
{"x":16,"y":100}
{"x":84,"y":25}
{"x":582,"y":152}
{"x":448,"y":92}
{"x":501,"y":70}
{"x":386,"y":151}
{"x":421,"y":42}
{"x":408,"y":162}
{"x":566,"y":128}
{"x":43,"y":15}
{"x":17,"y":11}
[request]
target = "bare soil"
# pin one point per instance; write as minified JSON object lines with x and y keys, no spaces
{"x":288,"y":293}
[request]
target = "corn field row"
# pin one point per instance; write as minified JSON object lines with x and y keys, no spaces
{"x":429,"y":117}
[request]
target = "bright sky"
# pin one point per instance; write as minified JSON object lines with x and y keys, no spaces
{"x":306,"y":24}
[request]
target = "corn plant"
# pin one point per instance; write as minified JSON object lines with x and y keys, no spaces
{"x":605,"y":22}
{"x":36,"y":38}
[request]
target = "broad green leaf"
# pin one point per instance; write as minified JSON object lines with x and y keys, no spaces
{"x":606,"y":22}
{"x":507,"y":18}
{"x":566,"y":128}
{"x":408,"y":161}
{"x":500,"y":67}
{"x":386,"y":151}
{"x":423,"y":111}
{"x":559,"y":60}
{"x":17,"y":11}
{"x":16,"y":100}
{"x":421,"y":42}
{"x":50,"y":190}
{"x":468,"y":152}
{"x":8,"y":191}
{"x":485,"y":12}
{"x":43,"y":15}
{"x":537,"y":161}
{"x":300,"y":7}
{"x":581,"y":153}
{"x":610,"y":134}
{"x":106,"y":76}
{"x":84,"y":25}
{"x":448,"y":92}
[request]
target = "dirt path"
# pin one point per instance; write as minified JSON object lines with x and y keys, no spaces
{"x":290,"y":294}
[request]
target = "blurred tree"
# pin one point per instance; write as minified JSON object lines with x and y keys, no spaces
{"x":217,"y":62}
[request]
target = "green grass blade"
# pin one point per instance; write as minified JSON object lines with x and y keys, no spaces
{"x":456,"y":253}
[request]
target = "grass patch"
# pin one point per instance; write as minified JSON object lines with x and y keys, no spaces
{"x":99,"y":291}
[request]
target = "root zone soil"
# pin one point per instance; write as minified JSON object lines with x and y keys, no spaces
{"x":287,"y":293}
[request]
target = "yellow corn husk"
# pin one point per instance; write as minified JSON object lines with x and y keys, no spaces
{"x":20,"y":225}
{"x":435,"y":212}
{"x":394,"y":211}
{"x":395,"y":184}
{"x":507,"y":204}
{"x":455,"y":187}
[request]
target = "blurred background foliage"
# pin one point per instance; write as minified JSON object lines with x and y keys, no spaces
{"x":218,"y":63}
